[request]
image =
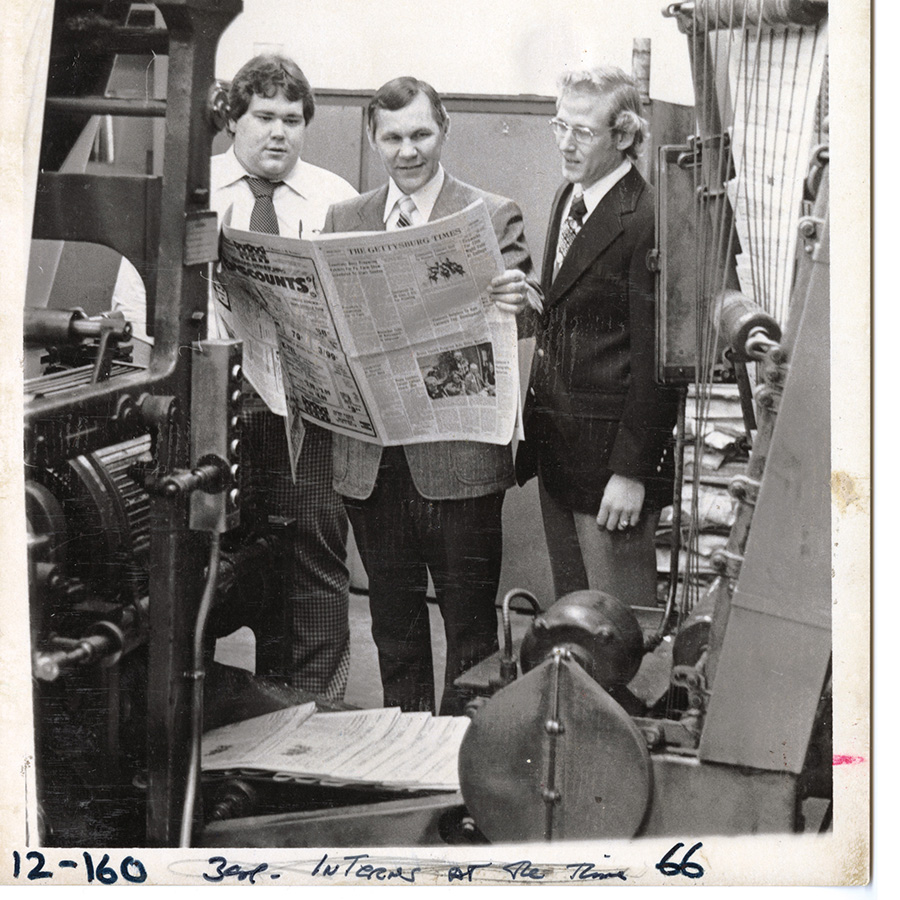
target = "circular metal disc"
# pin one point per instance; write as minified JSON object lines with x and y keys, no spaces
{"x":598,"y":765}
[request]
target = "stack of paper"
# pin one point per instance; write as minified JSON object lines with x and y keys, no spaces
{"x":383,"y":748}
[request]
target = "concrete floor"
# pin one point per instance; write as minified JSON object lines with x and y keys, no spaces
{"x":364,"y":684}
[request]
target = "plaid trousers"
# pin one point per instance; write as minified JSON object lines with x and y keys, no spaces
{"x":305,"y":640}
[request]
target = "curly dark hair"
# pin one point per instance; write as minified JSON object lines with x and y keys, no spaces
{"x":265,"y":76}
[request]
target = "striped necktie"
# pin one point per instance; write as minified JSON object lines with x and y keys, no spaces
{"x":263,"y":217}
{"x":407,"y":211}
{"x":570,"y":229}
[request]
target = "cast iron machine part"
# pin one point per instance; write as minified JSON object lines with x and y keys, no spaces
{"x":552,"y":755}
{"x":169,"y":235}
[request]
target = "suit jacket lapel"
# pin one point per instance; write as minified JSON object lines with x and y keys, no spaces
{"x":603,"y":226}
{"x":371,"y":212}
{"x":552,"y":238}
{"x":452,"y":198}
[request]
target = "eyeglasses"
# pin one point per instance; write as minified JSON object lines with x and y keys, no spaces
{"x":581,"y":133}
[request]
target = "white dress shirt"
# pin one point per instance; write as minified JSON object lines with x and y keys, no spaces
{"x":598,"y":190}
{"x":424,"y":198}
{"x":302,"y":198}
{"x":301,"y":201}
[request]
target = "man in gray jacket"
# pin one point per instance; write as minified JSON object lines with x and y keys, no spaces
{"x":434,"y":506}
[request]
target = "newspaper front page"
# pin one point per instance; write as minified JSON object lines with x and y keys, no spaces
{"x":390,"y":337}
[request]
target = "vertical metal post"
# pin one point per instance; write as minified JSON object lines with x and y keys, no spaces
{"x":177,"y":554}
{"x":640,"y":67}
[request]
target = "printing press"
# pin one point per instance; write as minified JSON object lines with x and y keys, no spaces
{"x":143,"y":547}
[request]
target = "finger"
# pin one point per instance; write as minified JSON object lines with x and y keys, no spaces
{"x":617,"y":520}
{"x":515,"y":300}
{"x":628,"y":519}
{"x":512,"y":287}
{"x":510,"y":276}
{"x":603,"y":516}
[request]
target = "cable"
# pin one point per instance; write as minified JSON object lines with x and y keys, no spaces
{"x":655,"y":639}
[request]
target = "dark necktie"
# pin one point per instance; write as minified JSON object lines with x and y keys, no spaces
{"x":407,"y":211}
{"x":570,"y":229}
{"x":263,"y":217}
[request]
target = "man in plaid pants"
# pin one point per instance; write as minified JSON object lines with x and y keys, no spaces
{"x":305,"y":638}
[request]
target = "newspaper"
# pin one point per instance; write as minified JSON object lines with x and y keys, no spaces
{"x":383,"y":748}
{"x":390,"y":337}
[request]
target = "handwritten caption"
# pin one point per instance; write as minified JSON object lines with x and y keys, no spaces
{"x":34,"y":866}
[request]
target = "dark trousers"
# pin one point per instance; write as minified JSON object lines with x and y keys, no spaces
{"x":401,"y":537}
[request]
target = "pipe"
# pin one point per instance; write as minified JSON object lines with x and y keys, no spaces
{"x":198,"y":674}
{"x":508,"y":661}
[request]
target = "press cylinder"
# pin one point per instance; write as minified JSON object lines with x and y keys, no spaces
{"x":710,"y":15}
{"x":738,"y":320}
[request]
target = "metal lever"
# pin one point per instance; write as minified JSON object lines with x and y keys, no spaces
{"x":211,"y":476}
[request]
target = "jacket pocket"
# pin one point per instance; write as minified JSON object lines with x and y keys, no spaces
{"x":591,"y":404}
{"x":478,"y":463}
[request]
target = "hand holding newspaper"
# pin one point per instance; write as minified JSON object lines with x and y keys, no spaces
{"x":389,"y":337}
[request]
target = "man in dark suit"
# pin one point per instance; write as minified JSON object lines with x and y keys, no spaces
{"x":434,"y":506}
{"x":597,"y":427}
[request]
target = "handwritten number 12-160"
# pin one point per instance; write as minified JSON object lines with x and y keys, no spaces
{"x":130,"y":868}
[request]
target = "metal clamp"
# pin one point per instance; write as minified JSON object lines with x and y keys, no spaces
{"x":744,"y":489}
{"x":726,"y":562}
{"x":809,"y":228}
{"x":759,"y":343}
{"x":692,"y":158}
{"x":769,"y":398}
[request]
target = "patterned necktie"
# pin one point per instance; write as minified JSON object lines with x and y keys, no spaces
{"x":407,"y":211}
{"x":263,"y":217}
{"x":570,"y":229}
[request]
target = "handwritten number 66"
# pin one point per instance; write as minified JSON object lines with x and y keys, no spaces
{"x":685,"y":867}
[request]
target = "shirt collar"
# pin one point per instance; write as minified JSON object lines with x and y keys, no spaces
{"x":599,"y":189}
{"x":298,"y":179}
{"x":425,"y":197}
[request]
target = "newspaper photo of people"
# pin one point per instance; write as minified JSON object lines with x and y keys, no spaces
{"x":466,"y":372}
